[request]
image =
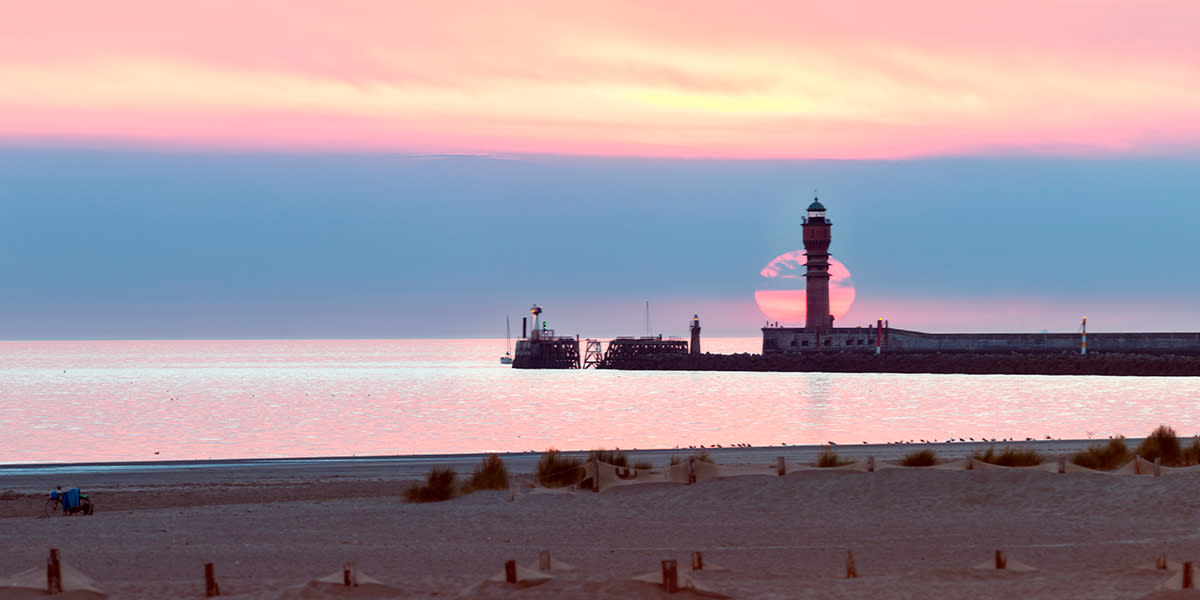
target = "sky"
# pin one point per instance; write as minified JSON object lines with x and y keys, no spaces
{"x":389,"y":169}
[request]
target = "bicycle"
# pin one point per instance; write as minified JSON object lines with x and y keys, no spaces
{"x":70,"y":502}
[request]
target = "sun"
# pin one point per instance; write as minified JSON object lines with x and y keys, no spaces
{"x":783,"y":297}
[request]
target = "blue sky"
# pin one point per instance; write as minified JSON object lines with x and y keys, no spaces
{"x":128,"y":244}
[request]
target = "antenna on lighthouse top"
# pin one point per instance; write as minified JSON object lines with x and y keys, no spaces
{"x":647,"y":318}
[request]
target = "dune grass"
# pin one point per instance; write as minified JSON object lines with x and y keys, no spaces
{"x":556,"y":470}
{"x":439,"y":486}
{"x":1104,"y":457}
{"x":1010,"y":457}
{"x":919,"y":458}
{"x":489,"y":474}
{"x":701,"y":455}
{"x":828,"y":458}
{"x":619,"y":459}
{"x":1162,"y":444}
{"x":1191,"y":454}
{"x":612,"y":457}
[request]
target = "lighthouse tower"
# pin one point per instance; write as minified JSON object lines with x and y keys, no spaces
{"x":816,"y":248}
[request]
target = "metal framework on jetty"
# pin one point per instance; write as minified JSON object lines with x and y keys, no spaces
{"x":541,"y":349}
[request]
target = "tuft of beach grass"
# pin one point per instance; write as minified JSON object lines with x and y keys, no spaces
{"x":439,"y":486}
{"x":489,"y":474}
{"x":919,"y":458}
{"x":828,"y":458}
{"x":556,"y":470}
{"x":1104,"y":457}
{"x":1010,"y":457}
{"x":1163,"y":444}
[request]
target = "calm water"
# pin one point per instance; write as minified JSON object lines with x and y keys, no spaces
{"x":169,"y":400}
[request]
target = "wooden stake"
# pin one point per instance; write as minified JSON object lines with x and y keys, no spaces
{"x":595,"y":474}
{"x":1160,"y":561}
{"x":851,"y":570}
{"x":544,"y":560}
{"x":1137,"y":464}
{"x":671,"y":576}
{"x":697,"y":561}
{"x":1157,"y":462}
{"x":349,"y":575}
{"x":1001,"y":561}
{"x":510,"y":571}
{"x":53,"y":573}
{"x":870,"y":464}
{"x":781,"y":466}
{"x":1062,"y":465}
{"x":691,"y":469}
{"x":1187,"y":577}
{"x":210,"y":582}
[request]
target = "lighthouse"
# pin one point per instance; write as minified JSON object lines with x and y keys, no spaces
{"x":816,"y":247}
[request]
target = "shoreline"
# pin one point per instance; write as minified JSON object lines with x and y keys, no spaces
{"x":41,"y":478}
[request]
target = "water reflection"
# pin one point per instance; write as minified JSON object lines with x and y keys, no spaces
{"x":159,"y":400}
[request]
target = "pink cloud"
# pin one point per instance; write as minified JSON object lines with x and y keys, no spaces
{"x":782,"y":79}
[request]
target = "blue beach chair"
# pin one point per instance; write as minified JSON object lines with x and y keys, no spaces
{"x":70,"y":502}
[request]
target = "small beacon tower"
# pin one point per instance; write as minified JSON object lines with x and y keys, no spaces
{"x":536,"y":311}
{"x":694,"y":348}
{"x":816,"y":248}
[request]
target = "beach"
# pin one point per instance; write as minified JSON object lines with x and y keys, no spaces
{"x":270,"y":528}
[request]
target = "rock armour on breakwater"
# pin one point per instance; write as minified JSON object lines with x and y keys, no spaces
{"x":965,"y":363}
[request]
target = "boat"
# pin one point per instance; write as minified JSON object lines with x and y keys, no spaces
{"x":507,"y":358}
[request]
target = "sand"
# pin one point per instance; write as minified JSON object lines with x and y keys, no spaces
{"x":914,"y":532}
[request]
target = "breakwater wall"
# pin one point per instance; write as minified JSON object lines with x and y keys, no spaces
{"x":1133,"y":343}
{"x":1062,"y":363}
{"x":798,"y":340}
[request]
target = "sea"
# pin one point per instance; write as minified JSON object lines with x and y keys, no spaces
{"x":171,"y":400}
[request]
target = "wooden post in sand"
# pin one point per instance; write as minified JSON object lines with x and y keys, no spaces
{"x":1187,"y":582}
{"x":349,"y":575}
{"x":781,"y":466}
{"x":870,"y":464}
{"x":851,"y":570}
{"x":53,"y":573}
{"x":1157,"y":462}
{"x":691,"y":469}
{"x":670,"y":576}
{"x":1160,"y":561}
{"x":1062,"y":465}
{"x":544,"y":560}
{"x":697,"y":561}
{"x":210,"y":582}
{"x":595,"y":464}
{"x":1137,"y":464}
{"x":1001,"y":561}
{"x":510,"y":571}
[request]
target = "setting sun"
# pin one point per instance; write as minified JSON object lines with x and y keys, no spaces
{"x":783,"y":302}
